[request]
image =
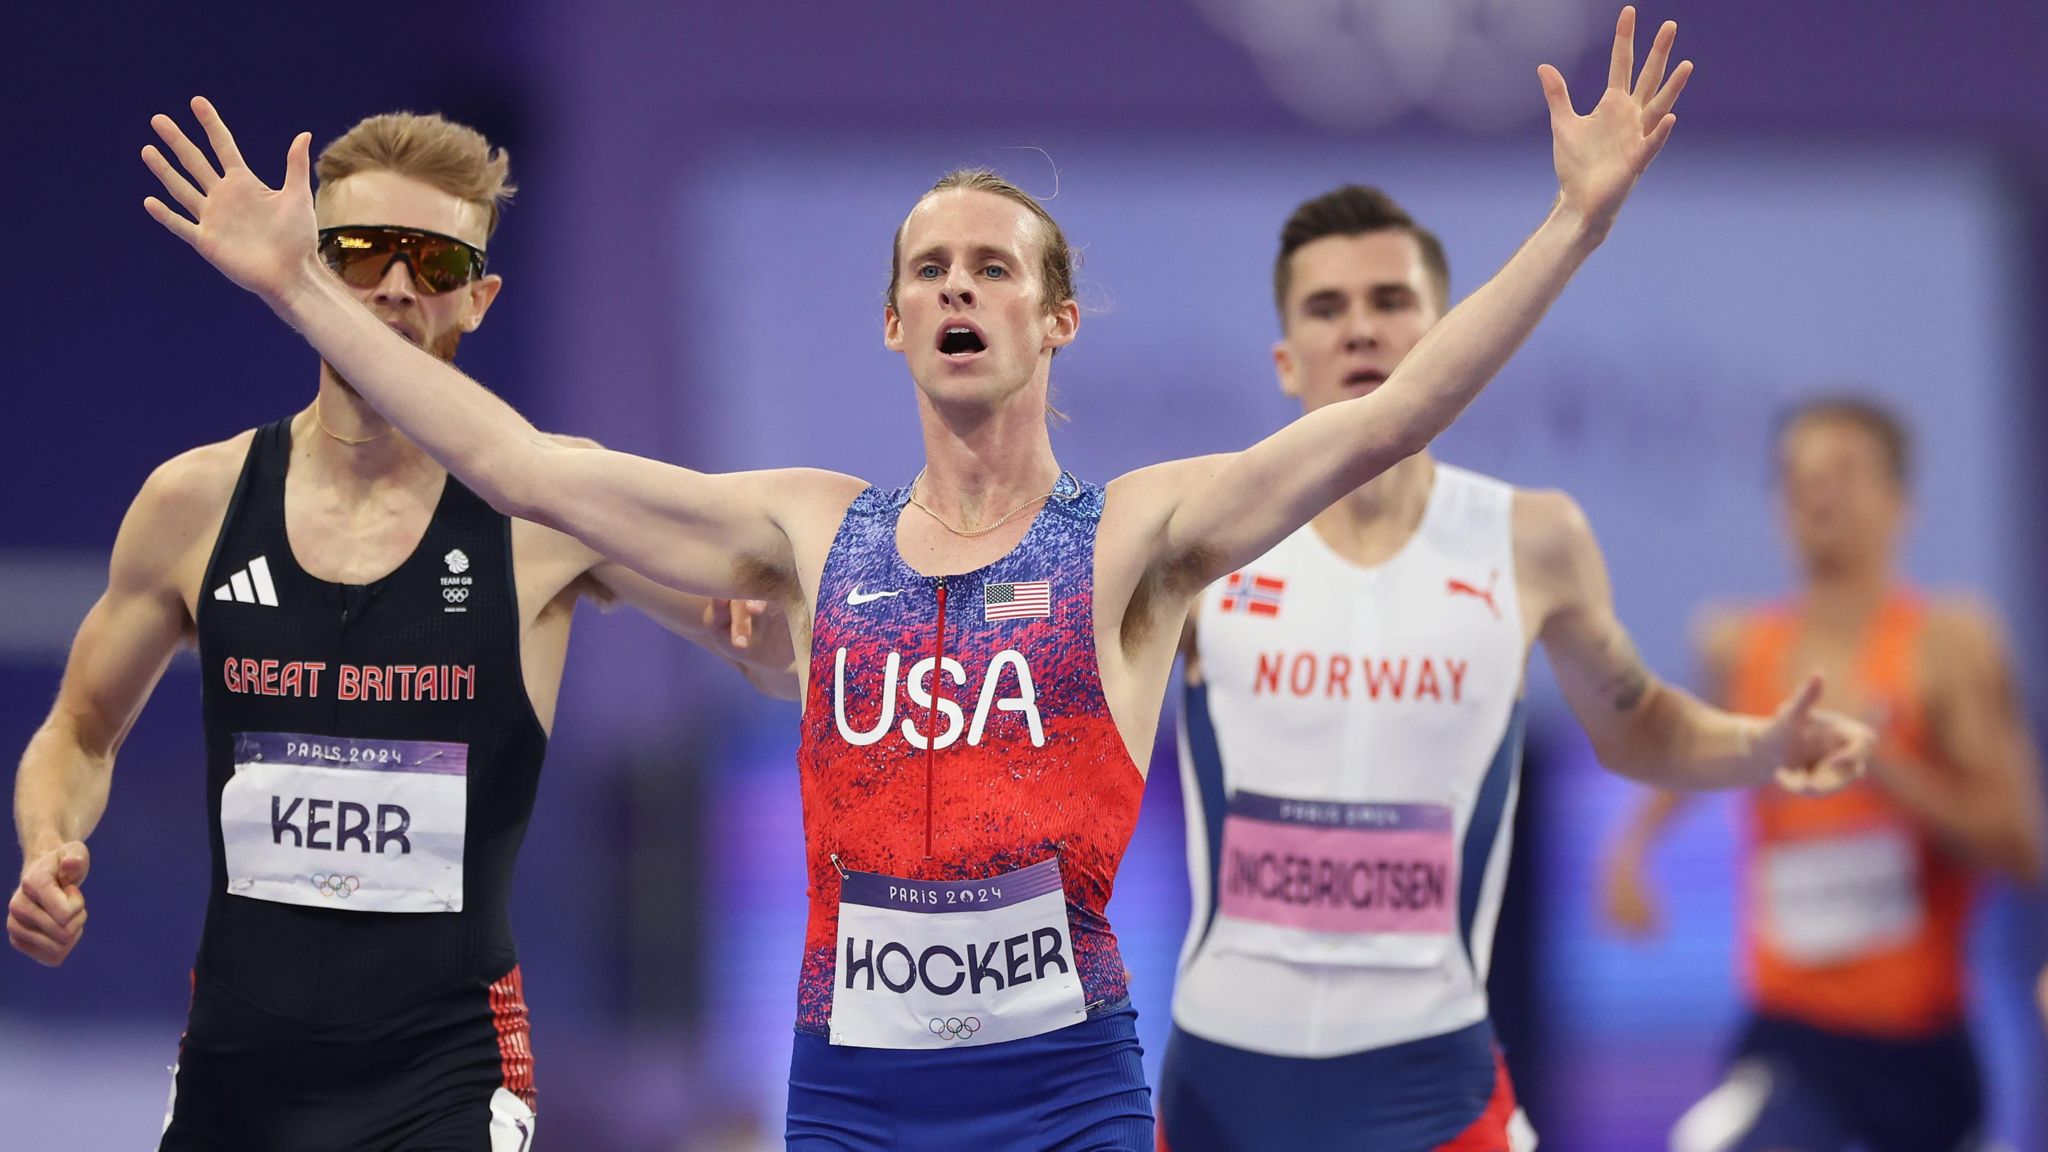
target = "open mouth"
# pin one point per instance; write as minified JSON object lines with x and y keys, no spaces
{"x":960,"y":340}
{"x":1365,"y":378}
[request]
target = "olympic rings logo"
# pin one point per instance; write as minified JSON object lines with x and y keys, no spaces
{"x":455,"y":595}
{"x":341,"y":887}
{"x":955,"y":1027}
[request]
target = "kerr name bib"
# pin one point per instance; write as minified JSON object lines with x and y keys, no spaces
{"x":1315,"y":881}
{"x":335,"y":822}
{"x":941,"y":964}
{"x":1844,"y":897}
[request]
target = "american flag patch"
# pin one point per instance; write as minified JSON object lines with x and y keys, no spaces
{"x":1018,"y":600}
{"x":1253,"y":595}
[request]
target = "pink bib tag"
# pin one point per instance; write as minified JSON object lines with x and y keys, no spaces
{"x":1330,"y":867}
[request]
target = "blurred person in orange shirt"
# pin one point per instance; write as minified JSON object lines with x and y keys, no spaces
{"x":1855,"y":905}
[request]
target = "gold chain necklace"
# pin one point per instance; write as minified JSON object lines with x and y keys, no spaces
{"x":348,"y":440}
{"x":965,"y":533}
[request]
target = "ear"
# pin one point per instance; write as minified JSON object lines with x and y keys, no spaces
{"x":892,"y":328}
{"x":1066,"y":324}
{"x":1285,"y":367}
{"x":482,"y":293}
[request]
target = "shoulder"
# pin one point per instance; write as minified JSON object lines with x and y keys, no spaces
{"x":1717,"y":632}
{"x":1553,"y":538}
{"x":1964,"y":632}
{"x":178,"y":511}
{"x":190,"y":492}
{"x":1150,"y":494}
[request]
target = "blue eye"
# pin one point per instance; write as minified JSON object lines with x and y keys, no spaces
{"x":928,"y":272}
{"x":995,"y":271}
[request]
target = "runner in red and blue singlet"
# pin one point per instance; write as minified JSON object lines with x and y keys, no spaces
{"x":967,"y":799}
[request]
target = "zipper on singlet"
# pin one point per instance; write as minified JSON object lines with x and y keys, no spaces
{"x":931,"y":738}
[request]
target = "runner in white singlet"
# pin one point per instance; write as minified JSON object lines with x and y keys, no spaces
{"x":1351,"y":744}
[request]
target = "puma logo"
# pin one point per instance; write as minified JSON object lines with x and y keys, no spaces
{"x":1461,"y":588}
{"x":858,"y":597}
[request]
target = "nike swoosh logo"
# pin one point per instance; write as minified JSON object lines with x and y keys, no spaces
{"x":858,"y":597}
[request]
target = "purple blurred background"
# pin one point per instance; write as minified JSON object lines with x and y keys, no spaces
{"x":1855,"y":193}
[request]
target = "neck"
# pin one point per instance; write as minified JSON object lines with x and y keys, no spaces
{"x":345,"y":441}
{"x":981,"y":462}
{"x":1373,"y":520}
{"x":1846,"y":598}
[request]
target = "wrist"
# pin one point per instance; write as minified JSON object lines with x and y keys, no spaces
{"x":309,"y":276}
{"x":1579,"y":233}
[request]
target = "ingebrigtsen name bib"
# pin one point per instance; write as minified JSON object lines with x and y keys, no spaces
{"x":1329,"y":882}
{"x":338,"y":822}
{"x":945,"y":963}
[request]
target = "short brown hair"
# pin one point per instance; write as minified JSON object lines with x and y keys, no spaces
{"x":1352,"y":210}
{"x":432,"y":149}
{"x":1055,"y":259}
{"x":1861,"y":412}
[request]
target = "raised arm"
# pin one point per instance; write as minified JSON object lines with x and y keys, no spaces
{"x":1642,"y":727}
{"x":60,"y":790}
{"x":720,"y":535}
{"x":1236,"y":507}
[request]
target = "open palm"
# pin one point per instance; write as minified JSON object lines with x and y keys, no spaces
{"x":1600,"y":155}
{"x":259,"y":236}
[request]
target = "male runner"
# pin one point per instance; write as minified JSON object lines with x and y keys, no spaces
{"x":382,"y":652}
{"x":960,"y":983}
{"x":1856,"y":905}
{"x":1351,"y":744}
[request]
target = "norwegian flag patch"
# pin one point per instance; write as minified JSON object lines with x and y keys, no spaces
{"x":1253,"y":595}
{"x":1016,"y":600}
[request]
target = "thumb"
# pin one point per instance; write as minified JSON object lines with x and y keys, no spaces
{"x":1800,"y":705}
{"x":298,"y":162}
{"x":73,"y":862}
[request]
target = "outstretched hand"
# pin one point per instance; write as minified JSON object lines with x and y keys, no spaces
{"x":1602,"y":154}
{"x":261,"y":237}
{"x":1817,"y":750}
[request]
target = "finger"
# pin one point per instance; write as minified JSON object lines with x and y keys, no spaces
{"x":180,"y":227}
{"x":1658,"y":137}
{"x":1555,"y":94}
{"x":217,"y":133}
{"x":1793,"y":780}
{"x":73,"y":864}
{"x":1667,"y":97}
{"x":1652,"y":76}
{"x":31,"y":917}
{"x":298,"y":163}
{"x":34,"y":945}
{"x":189,"y":156}
{"x":1809,"y":695}
{"x":173,"y":180}
{"x":1622,"y":63}
{"x":742,"y":626}
{"x":63,"y":904}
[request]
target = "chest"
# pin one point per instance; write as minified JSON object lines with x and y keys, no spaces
{"x":1325,"y":679}
{"x":357,"y":538}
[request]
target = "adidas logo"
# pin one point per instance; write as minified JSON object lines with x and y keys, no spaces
{"x":251,"y":585}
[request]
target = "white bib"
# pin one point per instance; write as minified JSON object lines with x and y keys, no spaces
{"x":1843,"y":897}
{"x":940,"y":964}
{"x":338,"y":822}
